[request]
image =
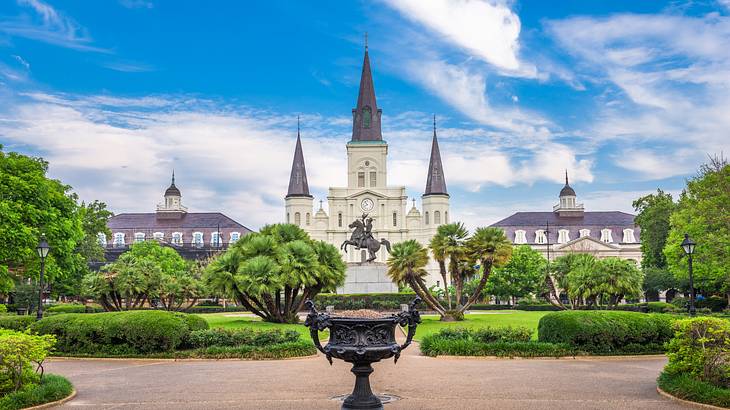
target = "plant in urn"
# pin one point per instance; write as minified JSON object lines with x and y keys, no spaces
{"x":362,"y":338}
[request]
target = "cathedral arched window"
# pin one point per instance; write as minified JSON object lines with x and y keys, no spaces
{"x":629,"y":236}
{"x":339,"y":219}
{"x":395,"y":219}
{"x":367,"y":117}
{"x":446,"y":217}
{"x":361,"y":180}
{"x":426,"y":215}
{"x":297,"y":219}
{"x":287,"y":218}
{"x":373,"y":178}
{"x":436,"y":217}
{"x":307,"y":219}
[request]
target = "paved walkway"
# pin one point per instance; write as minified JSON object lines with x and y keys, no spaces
{"x":421,"y":382}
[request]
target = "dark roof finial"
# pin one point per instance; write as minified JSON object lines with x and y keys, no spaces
{"x":297,"y":126}
{"x":173,"y":176}
{"x":566,"y":176}
{"x":172,"y":190}
{"x":567,"y":189}
{"x":434,"y":124}
{"x":366,"y":41}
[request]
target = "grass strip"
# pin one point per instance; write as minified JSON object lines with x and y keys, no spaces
{"x":688,"y":388}
{"x":51,"y":388}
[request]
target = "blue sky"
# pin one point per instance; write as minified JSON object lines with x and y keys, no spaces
{"x":628,"y":96}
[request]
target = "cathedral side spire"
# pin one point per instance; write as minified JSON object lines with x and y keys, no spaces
{"x":435,"y":181}
{"x":298,"y":185}
{"x":366,"y":115}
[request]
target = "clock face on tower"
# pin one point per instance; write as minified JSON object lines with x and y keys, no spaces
{"x":367,"y":204}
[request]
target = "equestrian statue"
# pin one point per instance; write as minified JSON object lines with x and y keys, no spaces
{"x":362,"y":237}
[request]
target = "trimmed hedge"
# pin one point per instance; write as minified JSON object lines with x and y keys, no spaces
{"x":16,"y":322}
{"x":377,"y":301}
{"x":51,"y":388}
{"x":489,"y":306}
{"x":73,"y":308}
{"x":434,"y":346}
{"x":687,"y":387}
{"x":238,"y":337}
{"x":197,"y":309}
{"x":119,"y":333}
{"x":607,"y":332}
{"x":296,"y":348}
{"x":714,"y":303}
{"x":487,"y":334}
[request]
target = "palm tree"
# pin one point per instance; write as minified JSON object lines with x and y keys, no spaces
{"x":406,"y":265}
{"x":490,"y":247}
{"x":438,"y":249}
{"x":453,"y":237}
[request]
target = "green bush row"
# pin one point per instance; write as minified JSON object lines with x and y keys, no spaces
{"x":239,"y":337}
{"x":16,"y":322}
{"x":285,"y":350}
{"x":487,"y":334}
{"x":73,"y":308}
{"x":433,"y":345}
{"x":607,"y":332}
{"x":197,"y":309}
{"x":377,"y":301}
{"x":119,"y":333}
{"x":51,"y":388}
{"x":687,"y":387}
{"x":489,"y":306}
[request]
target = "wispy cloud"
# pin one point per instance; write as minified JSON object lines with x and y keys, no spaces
{"x":128,"y":66}
{"x":137,"y":4}
{"x":49,"y":25}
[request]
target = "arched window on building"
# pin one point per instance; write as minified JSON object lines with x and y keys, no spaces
{"x":118,"y":239}
{"x":606,"y":235}
{"x":395,"y":219}
{"x":563,"y":236}
{"x":297,"y":219}
{"x":540,"y":237}
{"x":177,"y":238}
{"x":426,"y":218}
{"x":138,"y":237}
{"x":446,"y":217}
{"x":235,"y":236}
{"x":287,"y":218}
{"x":367,"y":117}
{"x":339,"y":219}
{"x":307,"y":219}
{"x":373,"y":179}
{"x":198,"y":239}
{"x":520,"y":236}
{"x":361,"y":180}
{"x":158,"y":236}
{"x":437,"y":217}
{"x":101,"y":238}
{"x":585,"y":232}
{"x":629,"y":236}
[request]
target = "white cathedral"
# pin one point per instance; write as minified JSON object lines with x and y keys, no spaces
{"x":367,"y":191}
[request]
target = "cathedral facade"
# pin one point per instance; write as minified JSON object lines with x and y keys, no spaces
{"x":367,"y":190}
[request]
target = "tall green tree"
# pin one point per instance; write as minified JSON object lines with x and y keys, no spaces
{"x":448,"y":245}
{"x":32,"y":204}
{"x":274,"y":271}
{"x":407,"y":265}
{"x":521,"y":276}
{"x":703,"y":212}
{"x":653,"y":215}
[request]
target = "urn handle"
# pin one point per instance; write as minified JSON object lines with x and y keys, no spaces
{"x":317,"y":322}
{"x":411,"y":318}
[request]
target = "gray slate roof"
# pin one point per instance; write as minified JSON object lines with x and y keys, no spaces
{"x":366,"y":98}
{"x":530,"y":222}
{"x":298,"y":185}
{"x":435,"y":180}
{"x":190,"y":220}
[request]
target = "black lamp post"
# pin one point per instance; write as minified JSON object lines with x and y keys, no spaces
{"x":689,"y":248}
{"x":43,"y":250}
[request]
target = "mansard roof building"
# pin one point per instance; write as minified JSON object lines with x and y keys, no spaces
{"x":569,"y":228}
{"x":368,"y":192}
{"x":194,"y":235}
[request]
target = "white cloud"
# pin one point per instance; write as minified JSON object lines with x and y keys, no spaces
{"x":489,"y":30}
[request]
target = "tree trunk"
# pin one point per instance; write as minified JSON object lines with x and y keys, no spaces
{"x":425,"y":295}
{"x":553,"y":291}
{"x":482,"y":282}
{"x":442,"y":269}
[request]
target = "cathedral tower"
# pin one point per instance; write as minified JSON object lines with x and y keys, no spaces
{"x":298,"y":200}
{"x":435,"y":198}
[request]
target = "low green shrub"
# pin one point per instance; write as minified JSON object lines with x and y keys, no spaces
{"x":73,"y":308}
{"x":489,"y":306}
{"x":714,"y":303}
{"x":649,"y":307}
{"x":119,"y":333}
{"x":680,"y":302}
{"x":215,"y":309}
{"x":20,"y":355}
{"x":238,"y":337}
{"x":700,"y":348}
{"x":687,"y":387}
{"x":51,"y":388}
{"x":378,"y":301}
{"x":434,"y":345}
{"x":296,"y":348}
{"x":3,"y":308}
{"x":607,"y":332}
{"x":16,"y":322}
{"x":538,"y":307}
{"x":486,"y":334}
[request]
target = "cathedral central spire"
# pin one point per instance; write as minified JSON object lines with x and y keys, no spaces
{"x":366,"y":115}
{"x":298,"y":185}
{"x":435,"y":180}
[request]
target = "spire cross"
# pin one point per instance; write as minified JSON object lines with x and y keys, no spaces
{"x":434,"y":123}
{"x":320,"y":204}
{"x":414,"y":202}
{"x":297,"y":125}
{"x":366,"y":41}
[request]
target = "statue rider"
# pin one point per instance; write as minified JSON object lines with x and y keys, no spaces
{"x":367,"y":234}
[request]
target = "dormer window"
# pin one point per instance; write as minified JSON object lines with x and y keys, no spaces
{"x":101,"y":238}
{"x":629,"y":236}
{"x":563,"y":236}
{"x":215,"y":239}
{"x":585,"y":233}
{"x":520,"y":236}
{"x":235,"y":236}
{"x":606,"y":236}
{"x":177,"y":238}
{"x":158,"y":236}
{"x":198,"y":239}
{"x":540,"y":237}
{"x":118,"y":239}
{"x":367,"y":117}
{"x":139,"y":237}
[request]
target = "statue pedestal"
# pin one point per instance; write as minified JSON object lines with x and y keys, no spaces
{"x":367,"y":278}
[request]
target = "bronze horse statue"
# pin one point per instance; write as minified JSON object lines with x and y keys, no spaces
{"x":361,"y":238}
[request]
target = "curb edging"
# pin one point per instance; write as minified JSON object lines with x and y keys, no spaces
{"x":687,"y":402}
{"x":53,"y":403}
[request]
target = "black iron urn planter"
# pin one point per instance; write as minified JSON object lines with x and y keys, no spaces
{"x":362,"y":342}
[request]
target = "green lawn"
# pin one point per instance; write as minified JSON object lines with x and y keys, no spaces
{"x":431,"y":324}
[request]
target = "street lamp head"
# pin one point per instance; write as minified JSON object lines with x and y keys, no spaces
{"x":688,"y":245}
{"x":43,"y":247}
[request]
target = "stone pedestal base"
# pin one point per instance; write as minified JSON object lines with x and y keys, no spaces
{"x":367,"y":278}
